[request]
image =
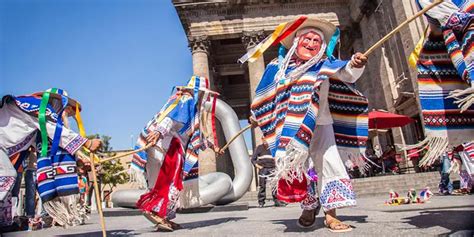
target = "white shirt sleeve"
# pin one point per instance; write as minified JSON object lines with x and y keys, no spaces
{"x":349,"y":74}
{"x":69,"y":141}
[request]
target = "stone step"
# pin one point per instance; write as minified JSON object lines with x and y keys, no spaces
{"x":381,"y":185}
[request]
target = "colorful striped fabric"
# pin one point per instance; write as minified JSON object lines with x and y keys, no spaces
{"x":445,"y":125}
{"x":57,"y":176}
{"x":185,"y":109}
{"x":287,"y":115}
{"x":445,"y":77}
{"x":181,"y":113}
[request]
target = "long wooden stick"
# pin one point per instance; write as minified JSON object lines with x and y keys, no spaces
{"x":394,"y":31}
{"x":97,"y":195}
{"x":235,"y":137}
{"x":130,"y":153}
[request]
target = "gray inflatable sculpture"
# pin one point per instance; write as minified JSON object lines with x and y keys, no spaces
{"x":217,"y":188}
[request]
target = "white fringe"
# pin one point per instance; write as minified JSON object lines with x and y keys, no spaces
{"x":290,"y":166}
{"x":137,"y":177}
{"x":64,"y":210}
{"x":190,"y":194}
{"x":455,"y":167}
{"x":464,"y":98}
{"x":356,"y":158}
{"x":434,"y":146}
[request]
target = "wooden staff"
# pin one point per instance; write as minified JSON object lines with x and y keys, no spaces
{"x":235,"y":137}
{"x":394,"y":31}
{"x":130,"y":153}
{"x":97,"y":195}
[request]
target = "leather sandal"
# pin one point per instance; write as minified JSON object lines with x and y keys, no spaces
{"x":305,"y":223}
{"x":336,"y":226}
{"x":165,"y":226}
{"x":175,"y":225}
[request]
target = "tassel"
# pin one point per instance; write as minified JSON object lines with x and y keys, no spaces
{"x":356,"y":158}
{"x":464,"y":98}
{"x":57,"y":211}
{"x":290,"y":166}
{"x":434,"y":146}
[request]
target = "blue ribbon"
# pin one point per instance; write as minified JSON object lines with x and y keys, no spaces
{"x":59,"y":125}
{"x":332,"y":43}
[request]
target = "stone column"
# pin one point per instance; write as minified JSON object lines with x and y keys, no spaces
{"x":256,"y":70}
{"x":200,"y":51}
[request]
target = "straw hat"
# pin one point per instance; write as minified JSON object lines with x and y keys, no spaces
{"x":324,"y":26}
{"x":58,"y":94}
{"x":199,"y":83}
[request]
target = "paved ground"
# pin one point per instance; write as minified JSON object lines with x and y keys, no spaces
{"x":444,"y":215}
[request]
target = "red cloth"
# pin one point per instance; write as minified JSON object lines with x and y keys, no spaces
{"x":380,"y":120}
{"x":170,"y":179}
{"x":292,"y":192}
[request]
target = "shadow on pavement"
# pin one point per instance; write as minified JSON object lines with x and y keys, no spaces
{"x":291,"y":225}
{"x":99,"y":233}
{"x":199,"y":224}
{"x":452,"y":220}
{"x":124,"y":212}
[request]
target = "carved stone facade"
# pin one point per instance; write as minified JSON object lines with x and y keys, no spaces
{"x":199,"y":44}
{"x":225,"y":30}
{"x":252,"y":38}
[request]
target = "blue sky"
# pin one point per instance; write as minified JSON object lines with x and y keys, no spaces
{"x":119,"y":58}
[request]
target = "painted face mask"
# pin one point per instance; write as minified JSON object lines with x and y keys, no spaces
{"x":309,"y":44}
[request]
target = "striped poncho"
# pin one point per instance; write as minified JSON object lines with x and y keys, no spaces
{"x":445,"y":67}
{"x":287,"y":112}
{"x":184,"y":109}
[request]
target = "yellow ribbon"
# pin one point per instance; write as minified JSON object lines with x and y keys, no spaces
{"x":169,"y":109}
{"x":80,"y":126}
{"x":413,"y":59}
{"x":82,"y":131}
{"x":259,"y":51}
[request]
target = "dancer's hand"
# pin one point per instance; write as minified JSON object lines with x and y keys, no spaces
{"x":218,"y":150}
{"x":153,"y":137}
{"x":358,"y":60}
{"x":253,"y":122}
{"x":93,"y":144}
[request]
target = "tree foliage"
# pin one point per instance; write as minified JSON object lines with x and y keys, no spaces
{"x":111,"y":173}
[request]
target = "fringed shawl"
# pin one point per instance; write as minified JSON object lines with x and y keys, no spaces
{"x":442,"y":71}
{"x":287,"y":115}
{"x":183,"y":110}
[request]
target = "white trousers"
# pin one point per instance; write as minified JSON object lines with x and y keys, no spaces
{"x":334,"y":185}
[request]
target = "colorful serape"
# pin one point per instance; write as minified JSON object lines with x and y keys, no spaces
{"x":287,"y":113}
{"x":58,"y":185}
{"x":446,"y":125}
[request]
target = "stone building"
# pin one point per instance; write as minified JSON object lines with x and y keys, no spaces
{"x":220,"y":31}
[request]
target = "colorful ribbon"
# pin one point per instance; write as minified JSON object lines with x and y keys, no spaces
{"x":413,"y":59}
{"x":42,"y":122}
{"x":290,"y":29}
{"x":59,"y":125}
{"x":276,"y":37}
{"x":80,"y":126}
{"x":213,"y":121}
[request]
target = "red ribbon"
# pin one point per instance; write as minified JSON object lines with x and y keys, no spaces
{"x":213,"y":121}
{"x":290,"y":29}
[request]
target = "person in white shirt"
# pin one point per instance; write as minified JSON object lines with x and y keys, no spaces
{"x":297,"y":102}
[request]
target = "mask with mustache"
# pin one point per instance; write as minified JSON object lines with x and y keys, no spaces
{"x":309,"y":43}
